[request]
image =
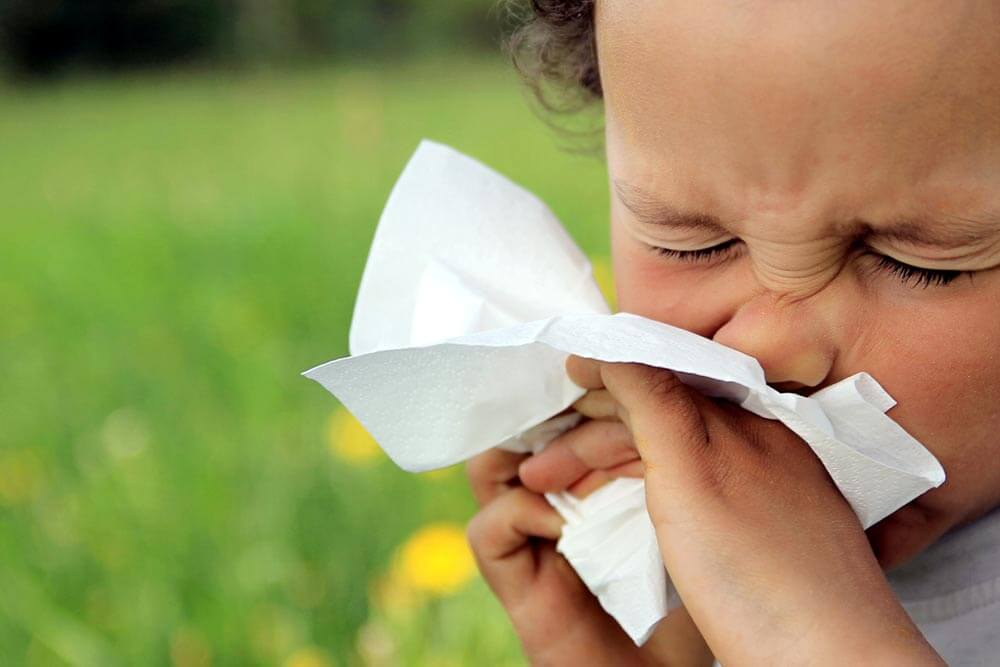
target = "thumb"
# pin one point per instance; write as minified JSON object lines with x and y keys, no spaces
{"x":662,"y":413}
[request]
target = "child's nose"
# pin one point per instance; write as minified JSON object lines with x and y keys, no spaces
{"x":790,"y":340}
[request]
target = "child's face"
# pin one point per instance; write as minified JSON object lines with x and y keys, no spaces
{"x":809,"y":132}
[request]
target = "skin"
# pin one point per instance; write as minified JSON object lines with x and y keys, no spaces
{"x":804,"y":129}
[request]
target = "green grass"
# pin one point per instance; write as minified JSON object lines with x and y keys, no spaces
{"x":174,"y":250}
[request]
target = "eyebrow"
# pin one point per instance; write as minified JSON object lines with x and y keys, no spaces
{"x":649,"y":210}
{"x":948,"y":232}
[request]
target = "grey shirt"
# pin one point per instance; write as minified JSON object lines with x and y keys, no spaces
{"x":952,"y":593}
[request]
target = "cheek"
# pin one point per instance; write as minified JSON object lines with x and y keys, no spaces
{"x":942,"y":366}
{"x":684,"y":296}
{"x":642,"y":285}
{"x":942,"y":358}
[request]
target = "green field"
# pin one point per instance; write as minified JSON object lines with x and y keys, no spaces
{"x":174,"y":251}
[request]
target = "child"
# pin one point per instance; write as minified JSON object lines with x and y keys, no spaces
{"x":818,"y":185}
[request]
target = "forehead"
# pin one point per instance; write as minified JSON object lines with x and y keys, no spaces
{"x":781,"y":105}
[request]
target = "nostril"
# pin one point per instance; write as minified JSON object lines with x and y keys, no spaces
{"x":802,"y":373}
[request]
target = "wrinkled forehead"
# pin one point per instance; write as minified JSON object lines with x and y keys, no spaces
{"x":788,"y":90}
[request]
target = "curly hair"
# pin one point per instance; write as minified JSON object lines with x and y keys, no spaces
{"x":553,"y":49}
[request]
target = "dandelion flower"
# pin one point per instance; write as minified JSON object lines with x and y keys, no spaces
{"x":436,"y":559}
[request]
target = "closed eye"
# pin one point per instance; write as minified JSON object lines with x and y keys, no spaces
{"x":696,"y":255}
{"x":909,"y":275}
{"x":915,"y":276}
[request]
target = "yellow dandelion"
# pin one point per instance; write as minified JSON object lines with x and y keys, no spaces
{"x":605,"y":278}
{"x":348,"y":439}
{"x":436,"y":559}
{"x":310,"y":656}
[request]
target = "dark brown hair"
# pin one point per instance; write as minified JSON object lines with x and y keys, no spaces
{"x":552,"y":46}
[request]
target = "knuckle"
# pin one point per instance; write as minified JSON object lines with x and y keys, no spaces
{"x":478,"y":466}
{"x":478,"y":486}
{"x":664,"y":385}
{"x":536,"y":478}
{"x":476,"y":530}
{"x":520,"y":499}
{"x":495,"y":514}
{"x":495,"y":464}
{"x":476,"y":483}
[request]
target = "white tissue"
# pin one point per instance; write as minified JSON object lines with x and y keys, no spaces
{"x":471,"y":300}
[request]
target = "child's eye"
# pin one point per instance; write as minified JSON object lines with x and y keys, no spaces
{"x":915,"y":276}
{"x":696,"y":255}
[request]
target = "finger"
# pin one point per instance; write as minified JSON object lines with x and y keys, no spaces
{"x":591,"y":445}
{"x":597,"y":404}
{"x":595,"y":479}
{"x":500,"y":537}
{"x":589,"y":483}
{"x":635,"y":468}
{"x":584,"y":372}
{"x":662,"y":413}
{"x":492,"y":473}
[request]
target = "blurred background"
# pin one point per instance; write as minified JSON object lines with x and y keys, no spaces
{"x":188,"y":190}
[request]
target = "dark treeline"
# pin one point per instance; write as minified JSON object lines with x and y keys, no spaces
{"x":45,"y":37}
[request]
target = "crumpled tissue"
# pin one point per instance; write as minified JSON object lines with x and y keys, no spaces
{"x":473,"y":296}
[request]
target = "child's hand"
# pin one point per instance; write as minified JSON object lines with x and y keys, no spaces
{"x":771,"y":561}
{"x":557,"y":619}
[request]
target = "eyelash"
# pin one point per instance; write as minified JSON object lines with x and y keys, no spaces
{"x":918,"y":276}
{"x":907,"y":274}
{"x":695,"y":255}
